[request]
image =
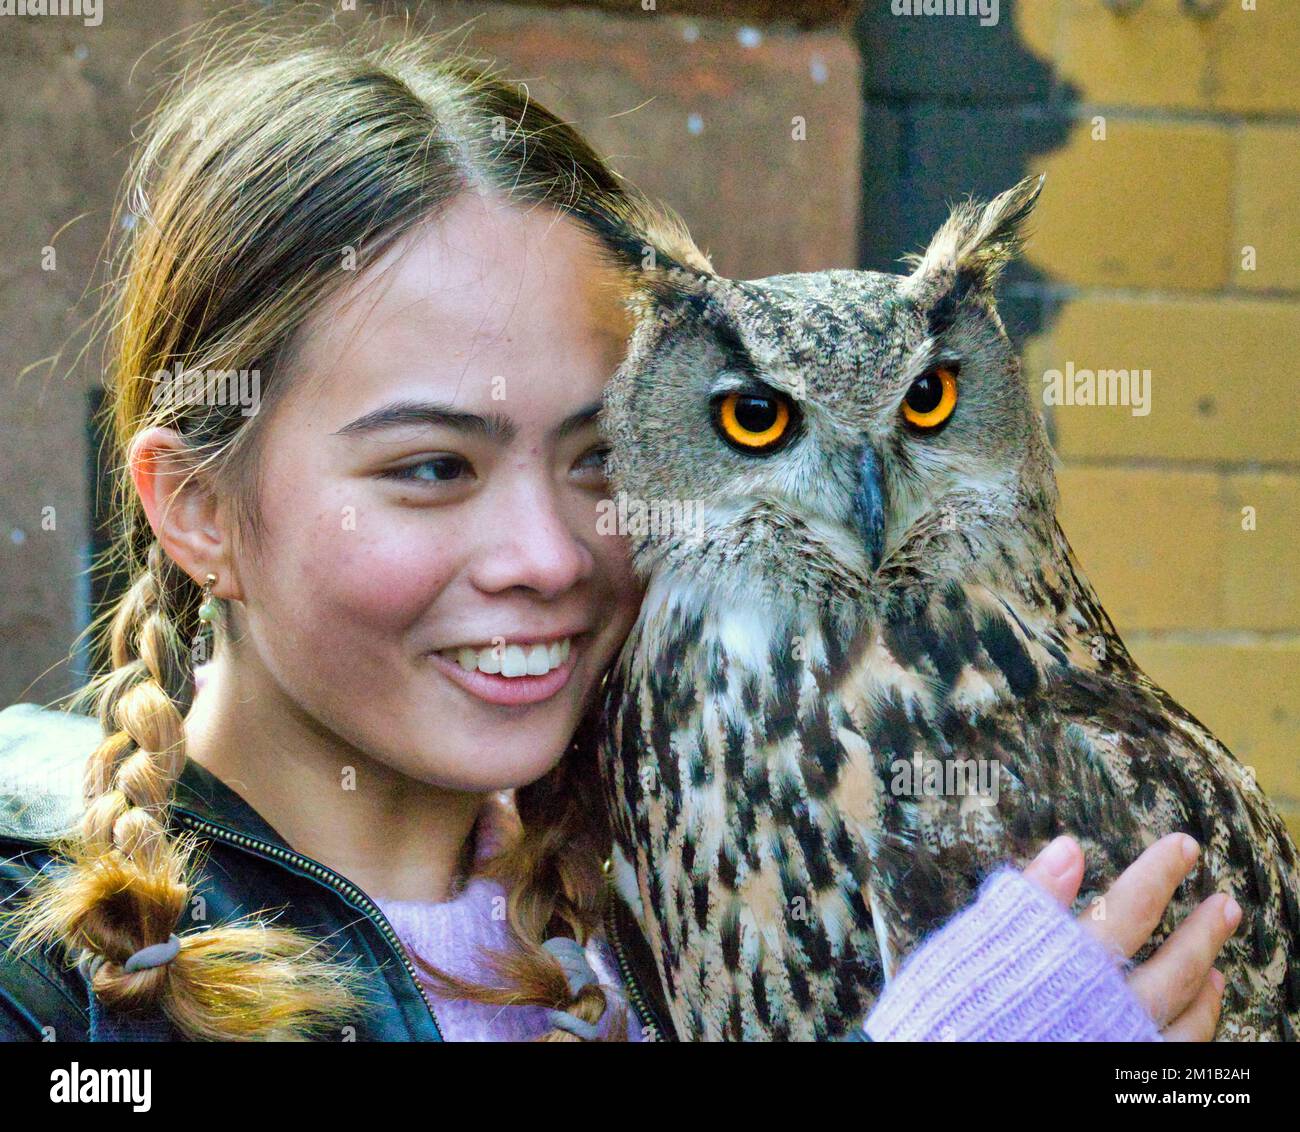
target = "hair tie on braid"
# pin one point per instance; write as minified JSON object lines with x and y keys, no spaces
{"x":561,"y":1020}
{"x":155,"y":955}
{"x":572,"y":957}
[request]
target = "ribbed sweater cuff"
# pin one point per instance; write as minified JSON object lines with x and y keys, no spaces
{"x":1013,"y":967}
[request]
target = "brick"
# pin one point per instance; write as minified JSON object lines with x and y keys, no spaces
{"x":1150,"y":541}
{"x":887,"y":227}
{"x":1154,"y":56}
{"x":62,"y":149}
{"x":1148,"y":207}
{"x":1291,"y":815}
{"x":1261,"y":585}
{"x":1247,"y":694}
{"x":1160,"y":55}
{"x":1038,"y":23}
{"x":1254,"y":59}
{"x":1268,"y":208}
{"x":697,"y":118}
{"x":1206,"y":358}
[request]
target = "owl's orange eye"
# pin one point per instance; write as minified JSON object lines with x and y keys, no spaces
{"x":931,"y":399}
{"x":752,"y":422}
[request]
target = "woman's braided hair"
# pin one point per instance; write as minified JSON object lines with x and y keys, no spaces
{"x":267,"y":161}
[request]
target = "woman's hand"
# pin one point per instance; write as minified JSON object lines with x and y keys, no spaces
{"x":1178,"y":986}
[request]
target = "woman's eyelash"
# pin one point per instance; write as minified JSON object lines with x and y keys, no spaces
{"x":600,"y":454}
{"x":449,"y":468}
{"x":448,"y":463}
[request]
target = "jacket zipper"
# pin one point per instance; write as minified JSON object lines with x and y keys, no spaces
{"x":651,"y":1029}
{"x":344,"y":888}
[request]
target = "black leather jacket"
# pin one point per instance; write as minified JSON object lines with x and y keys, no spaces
{"x":245,"y":867}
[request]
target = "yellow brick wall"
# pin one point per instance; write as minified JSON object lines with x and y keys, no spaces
{"x":1141,"y":237}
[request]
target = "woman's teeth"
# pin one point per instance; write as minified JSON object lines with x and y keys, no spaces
{"x":512,"y":660}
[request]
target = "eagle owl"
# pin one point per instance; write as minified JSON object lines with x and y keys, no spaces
{"x":868,"y":669}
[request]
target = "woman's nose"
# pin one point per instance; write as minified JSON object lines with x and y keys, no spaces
{"x":528,"y":543}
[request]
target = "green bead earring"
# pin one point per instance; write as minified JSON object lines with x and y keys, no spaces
{"x":208,"y":610}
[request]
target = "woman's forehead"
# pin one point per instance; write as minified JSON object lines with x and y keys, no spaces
{"x":484,"y":295}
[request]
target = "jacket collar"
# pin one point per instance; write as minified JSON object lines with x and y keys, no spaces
{"x":202,"y":795}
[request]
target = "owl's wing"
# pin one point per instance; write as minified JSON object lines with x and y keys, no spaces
{"x":987,"y":741}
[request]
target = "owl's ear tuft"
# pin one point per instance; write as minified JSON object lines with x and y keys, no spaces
{"x":663,"y":292}
{"x":650,"y":246}
{"x":977,"y":241}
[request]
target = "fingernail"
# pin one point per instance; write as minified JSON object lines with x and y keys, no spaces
{"x":1190,"y":849}
{"x":1232,"y":914}
{"x":1216,"y":977}
{"x":1058,"y":857}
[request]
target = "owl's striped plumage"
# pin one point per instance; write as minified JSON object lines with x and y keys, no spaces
{"x":861,"y":608}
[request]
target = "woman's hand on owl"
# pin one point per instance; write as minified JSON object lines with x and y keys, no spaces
{"x":1178,"y":985}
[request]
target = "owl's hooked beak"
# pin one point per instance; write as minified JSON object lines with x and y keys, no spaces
{"x":869,"y":504}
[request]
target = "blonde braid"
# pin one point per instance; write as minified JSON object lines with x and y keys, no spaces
{"x":127,"y":880}
{"x":557,"y":884}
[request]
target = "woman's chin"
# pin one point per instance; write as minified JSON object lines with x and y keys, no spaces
{"x":478,"y":762}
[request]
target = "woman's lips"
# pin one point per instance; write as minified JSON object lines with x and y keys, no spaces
{"x":510,"y":691}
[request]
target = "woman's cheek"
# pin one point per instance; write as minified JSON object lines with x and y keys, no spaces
{"x":357,"y":563}
{"x":616,"y":598}
{"x":387,"y":574}
{"x":621,"y":588}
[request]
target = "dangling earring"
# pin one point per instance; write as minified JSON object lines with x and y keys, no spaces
{"x":200,"y":648}
{"x":208,"y":610}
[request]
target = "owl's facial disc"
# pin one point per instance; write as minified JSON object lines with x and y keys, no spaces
{"x":824,"y":425}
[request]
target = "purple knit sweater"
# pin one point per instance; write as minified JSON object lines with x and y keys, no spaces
{"x":454,"y":936}
{"x":1014,"y":966}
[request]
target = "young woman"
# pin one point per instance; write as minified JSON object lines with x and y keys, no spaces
{"x":420,"y":272}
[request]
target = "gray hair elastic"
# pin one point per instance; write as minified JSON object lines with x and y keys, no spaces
{"x":569,"y":954}
{"x":155,"y":955}
{"x":561,"y":1020}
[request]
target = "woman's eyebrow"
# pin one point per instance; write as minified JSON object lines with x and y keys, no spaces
{"x":435,"y":414}
{"x":575,"y":421}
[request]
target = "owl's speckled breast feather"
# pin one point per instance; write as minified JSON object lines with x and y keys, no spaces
{"x":756,"y":805}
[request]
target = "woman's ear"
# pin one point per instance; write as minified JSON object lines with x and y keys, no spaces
{"x":185,"y":515}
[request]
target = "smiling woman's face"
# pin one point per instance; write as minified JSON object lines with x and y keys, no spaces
{"x":428,"y":584}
